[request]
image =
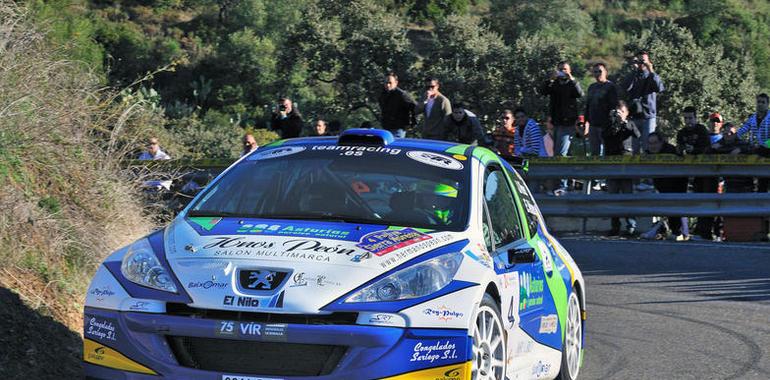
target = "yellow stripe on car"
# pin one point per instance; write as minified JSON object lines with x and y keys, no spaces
{"x":102,"y":355}
{"x":461,"y":371}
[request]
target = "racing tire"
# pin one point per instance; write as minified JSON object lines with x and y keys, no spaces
{"x":488,"y":358}
{"x":572,"y":349}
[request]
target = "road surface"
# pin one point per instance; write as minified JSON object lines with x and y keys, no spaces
{"x":668,"y":310}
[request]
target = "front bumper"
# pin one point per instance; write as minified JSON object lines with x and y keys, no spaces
{"x":130,"y":345}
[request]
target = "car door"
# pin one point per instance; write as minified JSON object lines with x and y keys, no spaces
{"x":522,"y":283}
{"x":546,"y":286}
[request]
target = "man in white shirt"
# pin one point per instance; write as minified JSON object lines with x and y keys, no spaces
{"x":153,"y":151}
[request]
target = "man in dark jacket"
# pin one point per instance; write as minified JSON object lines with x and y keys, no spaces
{"x":694,"y":139}
{"x":462,"y":126}
{"x":396,"y":107}
{"x":643,"y":86}
{"x":656,"y":144}
{"x":434,"y":108}
{"x":563,"y":92}
{"x":601,"y":99}
{"x":617,"y":138}
{"x":286,"y":120}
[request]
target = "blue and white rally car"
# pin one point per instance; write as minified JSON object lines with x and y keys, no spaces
{"x":358,"y":257}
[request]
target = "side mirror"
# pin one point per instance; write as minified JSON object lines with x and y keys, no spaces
{"x":521,"y":255}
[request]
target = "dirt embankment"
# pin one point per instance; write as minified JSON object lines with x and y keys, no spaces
{"x":33,"y":346}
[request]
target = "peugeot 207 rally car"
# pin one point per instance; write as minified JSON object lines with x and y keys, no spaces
{"x":358,"y":257}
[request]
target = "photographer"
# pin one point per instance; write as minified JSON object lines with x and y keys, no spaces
{"x":563,"y":92}
{"x":694,"y":139}
{"x":642,"y":86}
{"x":617,"y":138}
{"x":286,"y":120}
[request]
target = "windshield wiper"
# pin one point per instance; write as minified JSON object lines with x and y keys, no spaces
{"x":214,"y":213}
{"x":330,"y":217}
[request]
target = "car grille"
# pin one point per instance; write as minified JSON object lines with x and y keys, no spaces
{"x":182,"y":310}
{"x":256,"y":358}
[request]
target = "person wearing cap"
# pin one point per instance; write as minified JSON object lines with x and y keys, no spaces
{"x":715,"y":127}
{"x":153,"y":151}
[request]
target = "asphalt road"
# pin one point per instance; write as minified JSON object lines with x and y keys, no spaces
{"x":668,"y":310}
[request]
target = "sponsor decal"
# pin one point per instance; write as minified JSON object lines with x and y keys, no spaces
{"x":261,"y":279}
{"x":98,"y":354}
{"x":548,"y":324}
{"x":139,"y":306}
{"x":430,"y":352}
{"x":546,"y":253}
{"x":238,"y":377}
{"x":301,"y":249}
{"x":291,"y":230}
{"x":530,"y":291}
{"x":263,"y":331}
{"x":100,"y":328}
{"x":540,"y":369}
{"x":404,"y":253}
{"x":483,"y":259}
{"x":298,"y":280}
{"x":443,"y":313}
{"x":435,"y":159}
{"x":383,"y":242}
{"x":524,"y":347}
{"x":100,"y":294}
{"x":380,"y":319}
{"x":449,"y":372}
{"x":352,"y":150}
{"x":460,"y":157}
{"x":205,"y":222}
{"x":209,"y":284}
{"x":322,"y":280}
{"x":275,"y":153}
{"x":240,"y":301}
{"x":511,"y":281}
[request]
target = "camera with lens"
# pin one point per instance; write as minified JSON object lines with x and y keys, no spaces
{"x":282,"y":107}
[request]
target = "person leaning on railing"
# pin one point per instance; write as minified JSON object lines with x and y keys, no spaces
{"x":694,"y":139}
{"x":657,"y":144}
{"x":617,"y":137}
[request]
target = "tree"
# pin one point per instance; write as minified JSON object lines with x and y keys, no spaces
{"x":345,"y":48}
{"x":559,"y":19}
{"x":470,"y":61}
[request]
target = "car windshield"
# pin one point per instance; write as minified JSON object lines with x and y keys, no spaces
{"x":376,"y":185}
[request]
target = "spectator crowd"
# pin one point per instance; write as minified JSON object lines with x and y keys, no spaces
{"x":617,"y":119}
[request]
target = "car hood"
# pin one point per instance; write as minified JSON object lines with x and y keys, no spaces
{"x":285,"y":266}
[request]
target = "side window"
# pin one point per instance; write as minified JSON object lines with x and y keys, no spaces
{"x":502,"y":209}
{"x":527,"y":200}
{"x":487,"y":230}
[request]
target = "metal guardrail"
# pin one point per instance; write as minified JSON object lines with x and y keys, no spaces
{"x":653,"y":204}
{"x":608,"y":205}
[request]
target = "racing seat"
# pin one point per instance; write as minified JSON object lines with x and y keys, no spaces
{"x":403,"y":207}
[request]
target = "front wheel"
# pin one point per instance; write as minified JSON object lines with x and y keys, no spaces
{"x":488,"y":361}
{"x":572,"y":349}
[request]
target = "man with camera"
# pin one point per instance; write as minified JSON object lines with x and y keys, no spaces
{"x":694,"y":139}
{"x":642,"y":86}
{"x":286,"y":120}
{"x":618,"y":136}
{"x":563,"y":92}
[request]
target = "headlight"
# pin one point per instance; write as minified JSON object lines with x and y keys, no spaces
{"x":416,"y":281}
{"x":141,"y":266}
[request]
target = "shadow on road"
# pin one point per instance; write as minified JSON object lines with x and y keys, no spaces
{"x":716,"y":271}
{"x":33,"y":346}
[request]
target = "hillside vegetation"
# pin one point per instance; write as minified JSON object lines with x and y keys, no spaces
{"x":63,"y":202}
{"x":231,"y":59}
